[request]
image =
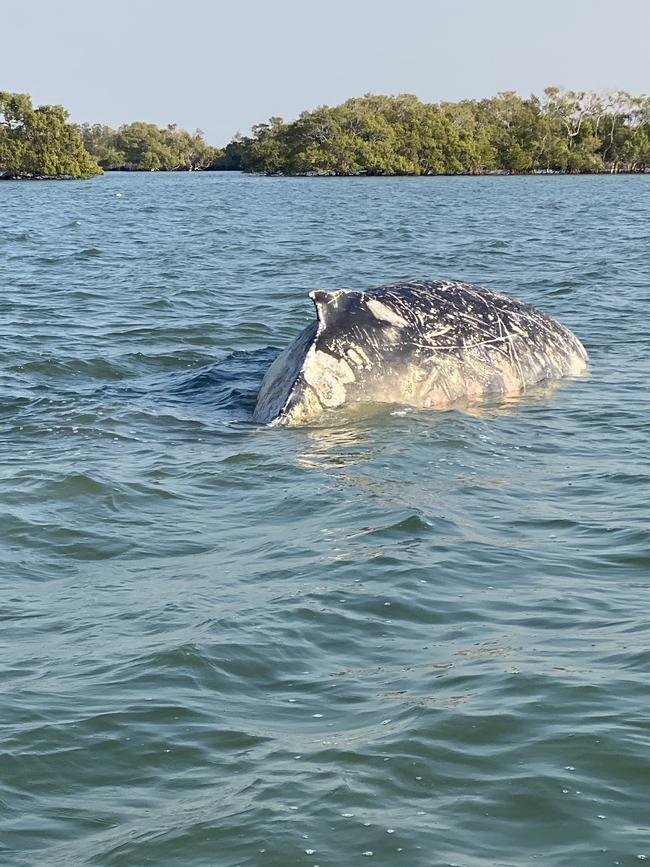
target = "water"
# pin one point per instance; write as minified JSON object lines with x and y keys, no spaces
{"x":396,"y":637}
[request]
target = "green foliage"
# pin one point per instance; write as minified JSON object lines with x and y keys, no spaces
{"x":564,"y":131}
{"x":233,"y":155}
{"x":39,"y":142}
{"x":145,"y":147}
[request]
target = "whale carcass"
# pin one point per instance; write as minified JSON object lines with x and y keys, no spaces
{"x":424,"y":344}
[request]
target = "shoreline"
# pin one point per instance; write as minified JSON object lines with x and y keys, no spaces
{"x":502,"y":173}
{"x":328,"y":175}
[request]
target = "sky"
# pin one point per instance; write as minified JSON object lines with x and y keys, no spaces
{"x":223,"y":65}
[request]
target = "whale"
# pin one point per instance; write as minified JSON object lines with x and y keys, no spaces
{"x":428,"y":344}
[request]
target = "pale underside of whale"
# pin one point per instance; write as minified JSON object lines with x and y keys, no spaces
{"x":423,"y":344}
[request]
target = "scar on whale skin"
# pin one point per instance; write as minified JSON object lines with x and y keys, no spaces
{"x":423,"y":343}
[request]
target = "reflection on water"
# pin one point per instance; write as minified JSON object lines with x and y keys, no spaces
{"x":355,"y":444}
{"x":343,"y":437}
{"x":540,"y":392}
{"x":344,"y":442}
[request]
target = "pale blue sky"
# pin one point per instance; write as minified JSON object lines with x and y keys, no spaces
{"x":223,"y":66}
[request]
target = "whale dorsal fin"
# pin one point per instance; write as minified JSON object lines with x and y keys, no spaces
{"x":326,"y":303}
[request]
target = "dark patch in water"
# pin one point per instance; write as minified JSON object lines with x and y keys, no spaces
{"x":231,"y":384}
{"x":229,"y":387}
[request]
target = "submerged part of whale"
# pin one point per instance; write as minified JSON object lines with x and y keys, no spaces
{"x":425,"y":344}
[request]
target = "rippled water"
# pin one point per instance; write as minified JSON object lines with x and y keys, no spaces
{"x":407,"y":638}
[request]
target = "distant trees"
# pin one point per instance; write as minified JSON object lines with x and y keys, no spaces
{"x":146,"y":147}
{"x":563,"y":131}
{"x":39,"y":142}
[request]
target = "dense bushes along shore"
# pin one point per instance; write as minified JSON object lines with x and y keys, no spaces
{"x":145,"y":147}
{"x":562,"y":131}
{"x":39,"y":142}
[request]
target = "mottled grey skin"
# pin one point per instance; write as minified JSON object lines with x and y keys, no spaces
{"x":426,"y":344}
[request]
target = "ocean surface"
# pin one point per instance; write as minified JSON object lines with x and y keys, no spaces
{"x":394,"y":637}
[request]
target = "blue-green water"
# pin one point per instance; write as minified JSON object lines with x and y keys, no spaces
{"x":407,"y":638}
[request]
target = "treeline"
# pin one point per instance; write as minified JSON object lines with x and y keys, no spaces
{"x":39,"y":142}
{"x":145,"y":147}
{"x":563,"y":131}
